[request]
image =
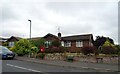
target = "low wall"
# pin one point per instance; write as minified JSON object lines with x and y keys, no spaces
{"x":82,"y":58}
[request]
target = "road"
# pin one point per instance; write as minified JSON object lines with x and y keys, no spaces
{"x":22,"y":66}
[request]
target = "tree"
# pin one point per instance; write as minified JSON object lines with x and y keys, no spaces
{"x":118,"y":47}
{"x":22,"y":47}
{"x":100,"y":41}
{"x":56,"y":43}
{"x":40,"y":42}
{"x":109,"y":48}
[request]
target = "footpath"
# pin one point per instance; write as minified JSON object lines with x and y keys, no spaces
{"x":94,"y":66}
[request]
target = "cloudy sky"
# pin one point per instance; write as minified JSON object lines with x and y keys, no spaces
{"x":72,"y":16}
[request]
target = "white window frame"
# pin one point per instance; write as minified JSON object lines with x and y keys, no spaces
{"x":11,"y":44}
{"x":62,"y":43}
{"x":47,"y":43}
{"x":68,"y":44}
{"x":79,"y":43}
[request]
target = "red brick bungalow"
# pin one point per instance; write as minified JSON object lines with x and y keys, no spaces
{"x":72,"y":43}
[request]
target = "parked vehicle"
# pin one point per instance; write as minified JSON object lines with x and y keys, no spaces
{"x":5,"y":53}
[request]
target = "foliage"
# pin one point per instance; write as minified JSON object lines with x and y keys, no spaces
{"x":5,"y":44}
{"x":118,"y":47}
{"x":38,"y":43}
{"x":53,"y":49}
{"x":100,"y":41}
{"x":87,"y":50}
{"x":22,"y":47}
{"x":41,"y":55}
{"x":56,"y":43}
{"x":34,"y":49}
{"x":70,"y":57}
{"x":107,"y":43}
{"x":109,"y":48}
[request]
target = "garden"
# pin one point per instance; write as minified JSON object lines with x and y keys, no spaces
{"x":107,"y":53}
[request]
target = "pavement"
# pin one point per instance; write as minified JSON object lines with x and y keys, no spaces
{"x":78,"y":65}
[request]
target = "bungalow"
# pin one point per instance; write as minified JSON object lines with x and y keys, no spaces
{"x":76,"y":42}
{"x":11,"y":41}
{"x":72,"y":43}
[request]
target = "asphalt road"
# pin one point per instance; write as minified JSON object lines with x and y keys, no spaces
{"x":22,"y":66}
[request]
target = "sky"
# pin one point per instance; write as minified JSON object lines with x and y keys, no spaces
{"x":72,"y":17}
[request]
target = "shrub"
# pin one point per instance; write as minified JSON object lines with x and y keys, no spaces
{"x":38,"y":43}
{"x":70,"y":58}
{"x":53,"y":49}
{"x":109,"y":50}
{"x":56,"y":43}
{"x":41,"y":55}
{"x":5,"y":44}
{"x":87,"y":50}
{"x":22,"y":47}
{"x":34,"y":50}
{"x":118,"y":48}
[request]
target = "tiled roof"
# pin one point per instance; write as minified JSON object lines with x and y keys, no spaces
{"x":18,"y":38}
{"x":49,"y":34}
{"x":78,"y":37}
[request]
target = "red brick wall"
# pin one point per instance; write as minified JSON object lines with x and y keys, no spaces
{"x":73,"y":47}
{"x":86,"y":43}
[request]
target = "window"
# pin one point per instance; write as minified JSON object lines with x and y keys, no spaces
{"x":47,"y":44}
{"x":79,"y":44}
{"x":62,"y":43}
{"x":68,"y":44}
{"x":11,"y":44}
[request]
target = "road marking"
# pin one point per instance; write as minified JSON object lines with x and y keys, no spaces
{"x":22,"y":68}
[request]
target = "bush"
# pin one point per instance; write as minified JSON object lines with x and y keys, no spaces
{"x":38,"y":43}
{"x":41,"y":55}
{"x":34,"y":50}
{"x":118,"y":48}
{"x":70,"y":58}
{"x":109,"y":50}
{"x":5,"y":44}
{"x":56,"y":43}
{"x":88,"y":49}
{"x":53,"y":49}
{"x":22,"y":47}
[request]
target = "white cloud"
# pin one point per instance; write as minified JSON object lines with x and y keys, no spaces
{"x":98,"y":18}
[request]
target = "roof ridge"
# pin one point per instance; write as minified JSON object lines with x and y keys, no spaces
{"x":78,"y":35}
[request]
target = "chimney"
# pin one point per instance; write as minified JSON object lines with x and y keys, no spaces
{"x":59,"y":35}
